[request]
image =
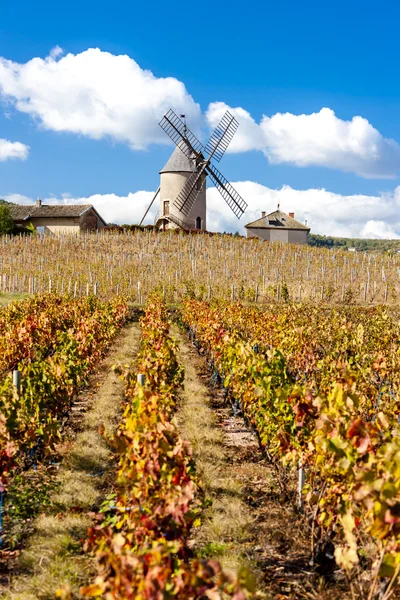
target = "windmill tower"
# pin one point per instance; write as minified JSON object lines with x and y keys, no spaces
{"x":183,"y":179}
{"x":173,"y":178}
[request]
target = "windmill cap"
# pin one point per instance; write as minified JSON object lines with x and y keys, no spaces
{"x":178,"y":162}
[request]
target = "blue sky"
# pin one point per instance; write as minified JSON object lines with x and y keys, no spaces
{"x":287,"y":58}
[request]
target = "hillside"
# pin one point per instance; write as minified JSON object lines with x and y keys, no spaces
{"x":134,"y":263}
{"x":328,"y":241}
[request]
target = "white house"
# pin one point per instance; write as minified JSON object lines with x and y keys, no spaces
{"x":278,"y":227}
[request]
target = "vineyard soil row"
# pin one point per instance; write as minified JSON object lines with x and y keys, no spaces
{"x":250,"y":520}
{"x":51,"y":557}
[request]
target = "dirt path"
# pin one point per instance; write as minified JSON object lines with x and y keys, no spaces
{"x":248,"y":522}
{"x":53,"y":556}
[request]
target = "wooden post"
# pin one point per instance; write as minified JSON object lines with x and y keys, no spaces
{"x":300,"y":487}
{"x":95,"y":287}
{"x":17,"y":380}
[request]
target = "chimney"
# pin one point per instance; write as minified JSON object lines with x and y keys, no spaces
{"x":262,"y":214}
{"x":291,"y":215}
{"x":38,"y":202}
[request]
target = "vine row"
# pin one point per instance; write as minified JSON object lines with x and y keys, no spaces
{"x":352,"y":490}
{"x":142,"y":538}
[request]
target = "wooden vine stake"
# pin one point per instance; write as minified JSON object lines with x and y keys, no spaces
{"x":17,"y":380}
{"x":300,"y":487}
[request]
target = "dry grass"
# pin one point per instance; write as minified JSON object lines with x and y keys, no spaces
{"x":249,"y":521}
{"x":8,"y":298}
{"x":53,"y":559}
{"x":53,"y":556}
{"x":225,"y":531}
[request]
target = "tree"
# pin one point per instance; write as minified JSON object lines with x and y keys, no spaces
{"x":6,"y":221}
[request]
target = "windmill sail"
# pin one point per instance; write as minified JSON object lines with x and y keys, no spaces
{"x":188,"y":194}
{"x":233,"y":199}
{"x":216,"y":146}
{"x":180,"y":134}
{"x":221,"y":137}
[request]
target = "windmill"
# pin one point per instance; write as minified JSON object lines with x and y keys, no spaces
{"x":183,"y":179}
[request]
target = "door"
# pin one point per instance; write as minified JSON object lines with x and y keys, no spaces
{"x":198,"y":223}
{"x":166,"y":208}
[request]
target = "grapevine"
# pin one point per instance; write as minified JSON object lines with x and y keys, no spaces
{"x":141,"y":542}
{"x":352,"y":460}
{"x":63,"y":342}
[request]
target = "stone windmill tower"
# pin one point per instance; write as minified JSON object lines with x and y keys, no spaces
{"x":183,"y":179}
{"x":173,"y":178}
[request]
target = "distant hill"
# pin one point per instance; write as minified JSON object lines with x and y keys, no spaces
{"x":360,"y":244}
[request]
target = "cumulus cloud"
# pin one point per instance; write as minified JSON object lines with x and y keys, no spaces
{"x":13,"y":150}
{"x":56,"y":52}
{"x":379,"y":230}
{"x":318,"y":139}
{"x":96,"y":94}
{"x":99,"y":94}
{"x":327,"y":213}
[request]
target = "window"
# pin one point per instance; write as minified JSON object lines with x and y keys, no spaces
{"x":198,"y":223}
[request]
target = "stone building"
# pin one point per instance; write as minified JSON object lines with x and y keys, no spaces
{"x":278,"y":227}
{"x":172,"y":179}
{"x":57,"y":218}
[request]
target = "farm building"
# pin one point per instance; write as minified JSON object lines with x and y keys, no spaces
{"x":55,"y":218}
{"x":278,"y":227}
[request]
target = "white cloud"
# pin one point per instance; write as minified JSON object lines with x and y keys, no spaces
{"x":327,"y":213}
{"x":96,"y":94}
{"x":13,"y":150}
{"x":56,"y":52}
{"x":379,"y":230}
{"x":317,"y":139}
{"x":99,"y":94}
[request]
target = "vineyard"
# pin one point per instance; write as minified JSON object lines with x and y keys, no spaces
{"x":134,"y":264}
{"x":54,"y":342}
{"x":300,"y":345}
{"x":321,"y":392}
